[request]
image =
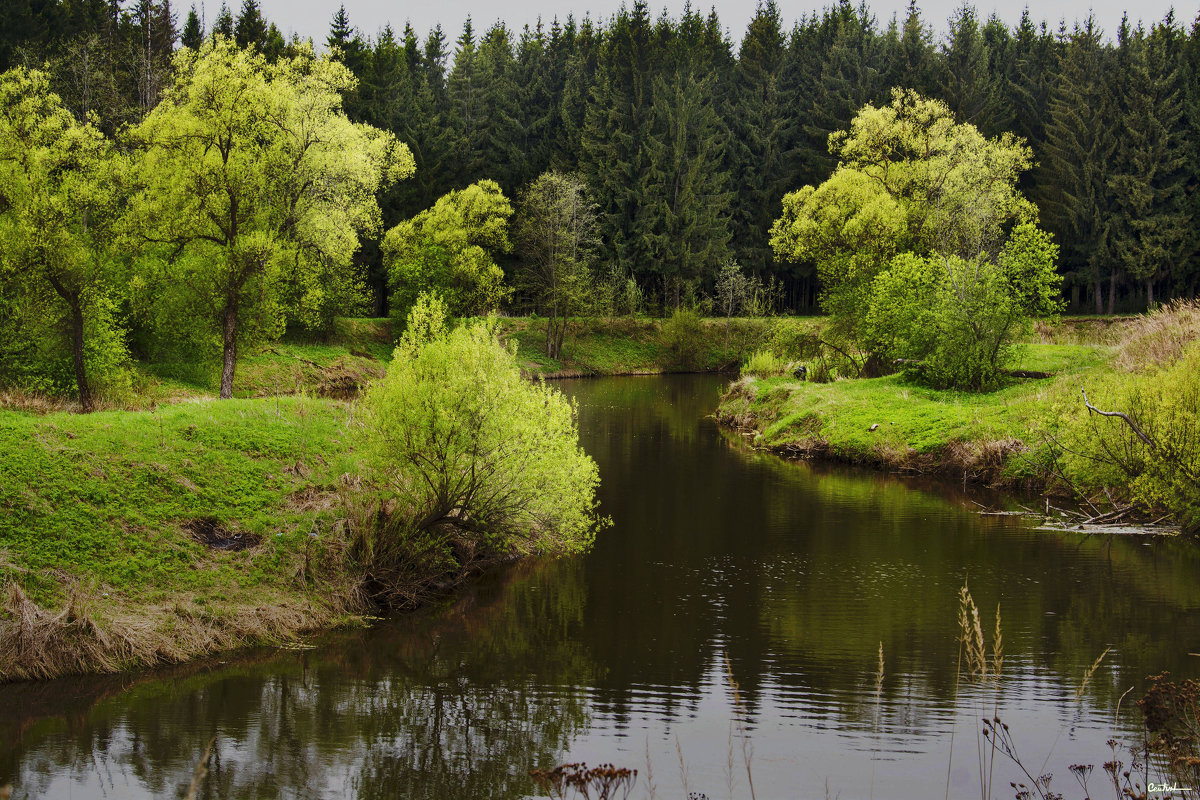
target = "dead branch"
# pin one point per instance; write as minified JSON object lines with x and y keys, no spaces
{"x":1120,"y":415}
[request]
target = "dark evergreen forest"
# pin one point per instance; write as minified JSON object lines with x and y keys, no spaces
{"x":689,"y":140}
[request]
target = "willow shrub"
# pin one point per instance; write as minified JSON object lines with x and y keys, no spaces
{"x":1158,"y":472}
{"x":474,"y":458}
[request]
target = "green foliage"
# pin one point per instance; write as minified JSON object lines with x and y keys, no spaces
{"x":58,"y":272}
{"x":764,"y":364}
{"x":482,"y":457}
{"x":682,"y":334}
{"x":555,"y":232}
{"x":958,"y":318}
{"x":909,"y":239}
{"x":254,"y":190}
{"x":684,"y":218}
{"x":450,"y":249}
{"x":1154,"y":456}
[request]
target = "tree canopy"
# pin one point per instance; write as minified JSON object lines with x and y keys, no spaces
{"x":254,"y":190}
{"x":914,"y":221}
{"x":58,"y":203}
{"x":451,"y":248}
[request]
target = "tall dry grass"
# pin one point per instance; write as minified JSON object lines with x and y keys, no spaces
{"x":1159,"y":338}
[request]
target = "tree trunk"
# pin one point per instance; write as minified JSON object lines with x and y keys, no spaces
{"x":1112,"y":292}
{"x":1149,"y":295}
{"x":1099,"y":297}
{"x":229,"y":361}
{"x":86,"y":402}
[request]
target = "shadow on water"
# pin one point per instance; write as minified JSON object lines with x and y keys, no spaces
{"x":790,"y":573}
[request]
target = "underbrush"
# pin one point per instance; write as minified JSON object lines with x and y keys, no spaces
{"x":1135,"y":430}
{"x":639,"y":345}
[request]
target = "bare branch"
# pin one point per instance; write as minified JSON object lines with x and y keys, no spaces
{"x":1121,"y":415}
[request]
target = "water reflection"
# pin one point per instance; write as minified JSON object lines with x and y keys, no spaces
{"x":723,"y":566}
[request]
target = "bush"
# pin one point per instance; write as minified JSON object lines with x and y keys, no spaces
{"x":960,"y":317}
{"x":1158,"y":463}
{"x":682,"y":335}
{"x":764,"y":364}
{"x":476,"y":461}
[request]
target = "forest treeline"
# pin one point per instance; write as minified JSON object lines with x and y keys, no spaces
{"x":688,"y":140}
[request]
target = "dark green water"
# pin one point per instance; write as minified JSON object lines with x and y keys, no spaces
{"x":721,"y":563}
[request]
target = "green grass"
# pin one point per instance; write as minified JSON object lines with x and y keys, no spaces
{"x":912,"y":418}
{"x":103,"y":498}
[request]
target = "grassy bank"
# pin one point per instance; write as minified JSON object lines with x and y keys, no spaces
{"x":1035,"y":433}
{"x":133,"y":537}
{"x":643,"y":346}
{"x":137,"y":538}
{"x":895,"y":423}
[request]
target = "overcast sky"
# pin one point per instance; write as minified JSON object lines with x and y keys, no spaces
{"x":310,"y":18}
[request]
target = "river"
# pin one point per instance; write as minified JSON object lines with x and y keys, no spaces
{"x":731,"y":616}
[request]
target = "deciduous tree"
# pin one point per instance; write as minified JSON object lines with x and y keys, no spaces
{"x":57,"y":206}
{"x":451,"y":249}
{"x":555,"y":234}
{"x":256,"y":187}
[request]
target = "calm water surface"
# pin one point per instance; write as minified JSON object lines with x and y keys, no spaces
{"x":734,"y":610}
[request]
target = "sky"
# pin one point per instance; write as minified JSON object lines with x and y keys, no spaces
{"x":310,"y":18}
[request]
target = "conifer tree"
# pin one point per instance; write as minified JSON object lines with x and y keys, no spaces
{"x":1147,"y":228}
{"x":1027,"y":94}
{"x":578,"y":86}
{"x":850,"y":78}
{"x":759,"y":119}
{"x":224,"y":22}
{"x":463,"y":90}
{"x":538,"y":87}
{"x":913,"y":66}
{"x":966,"y":83}
{"x":1190,"y":263}
{"x":614,"y":138}
{"x":501,"y":134}
{"x":193,"y":35}
{"x":685,"y":214}
{"x":1078,"y":147}
{"x":250,"y":29}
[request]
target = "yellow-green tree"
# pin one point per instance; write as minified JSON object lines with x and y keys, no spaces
{"x":255,"y":188}
{"x":57,"y":203}
{"x":938,"y":200}
{"x":450,"y":249}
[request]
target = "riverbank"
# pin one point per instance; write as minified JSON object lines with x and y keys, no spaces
{"x":645,"y":346}
{"x":1034,"y":435}
{"x":895,"y":424}
{"x":131,"y":539}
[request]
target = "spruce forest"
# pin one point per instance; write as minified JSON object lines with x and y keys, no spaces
{"x":688,"y":140}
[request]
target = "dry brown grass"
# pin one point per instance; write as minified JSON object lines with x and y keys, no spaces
{"x":1159,"y":338}
{"x":40,"y":644}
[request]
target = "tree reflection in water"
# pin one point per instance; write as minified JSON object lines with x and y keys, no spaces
{"x":793,"y":572}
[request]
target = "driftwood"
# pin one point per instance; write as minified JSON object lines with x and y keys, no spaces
{"x":1065,"y":520}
